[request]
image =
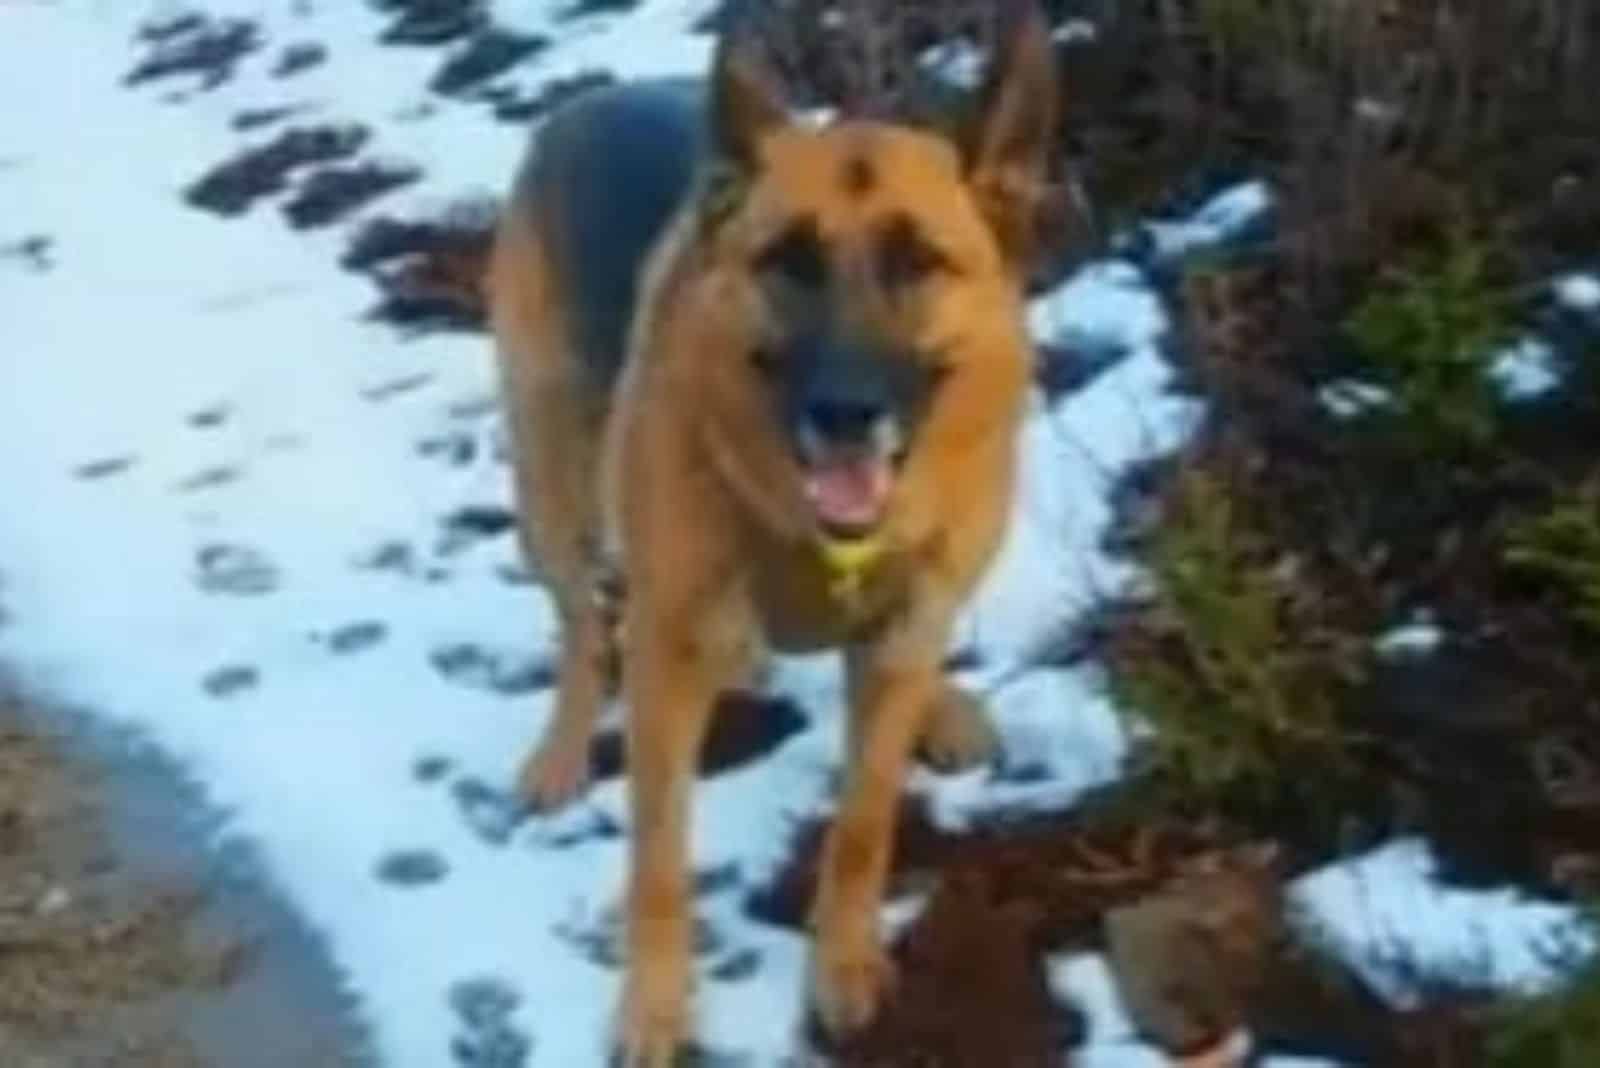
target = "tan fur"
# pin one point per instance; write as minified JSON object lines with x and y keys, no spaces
{"x":683,"y":473}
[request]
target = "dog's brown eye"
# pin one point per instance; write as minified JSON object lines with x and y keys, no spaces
{"x":796,"y":256}
{"x":906,"y":257}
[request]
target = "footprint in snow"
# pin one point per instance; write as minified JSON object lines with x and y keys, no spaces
{"x":232,"y":187}
{"x":36,"y":252}
{"x":487,"y":55}
{"x":209,"y":418}
{"x":458,"y":448}
{"x":572,"y":825}
{"x":230,"y":680}
{"x":508,"y":674}
{"x":489,"y":1039}
{"x":254,"y":118}
{"x":431,"y":768}
{"x":209,"y":478}
{"x":235,"y":570}
{"x":356,"y":637}
{"x":298,"y":57}
{"x":599,"y":940}
{"x":429,"y":23}
{"x":330,"y":193}
{"x":491,"y":815}
{"x":474,"y":523}
{"x":395,"y":387}
{"x":516,"y":107}
{"x":98,"y":469}
{"x":195,"y":45}
{"x":411,"y":868}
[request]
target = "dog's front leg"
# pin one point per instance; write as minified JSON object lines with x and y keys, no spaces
{"x":892,"y":682}
{"x":671,"y":679}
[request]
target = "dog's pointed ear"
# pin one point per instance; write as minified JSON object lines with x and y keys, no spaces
{"x":747,"y":103}
{"x":1008,"y":141}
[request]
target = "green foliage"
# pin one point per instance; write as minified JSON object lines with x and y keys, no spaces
{"x":1563,"y":547}
{"x":1558,"y":1029}
{"x":1429,"y":330}
{"x":1239,"y":22}
{"x":1213,"y":662}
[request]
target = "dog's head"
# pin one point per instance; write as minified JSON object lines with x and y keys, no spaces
{"x":874,"y":275}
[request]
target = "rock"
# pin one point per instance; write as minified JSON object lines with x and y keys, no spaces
{"x":1189,"y":959}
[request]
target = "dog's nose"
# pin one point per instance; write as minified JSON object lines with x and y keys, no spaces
{"x":844,"y":421}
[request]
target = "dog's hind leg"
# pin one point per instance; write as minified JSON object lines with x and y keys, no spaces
{"x":555,"y":423}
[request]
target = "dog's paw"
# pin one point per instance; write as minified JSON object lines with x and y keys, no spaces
{"x":653,"y":1024}
{"x":848,"y":987}
{"x":958,"y":735}
{"x":555,"y":774}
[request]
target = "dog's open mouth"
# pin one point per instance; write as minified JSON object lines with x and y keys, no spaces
{"x":849,"y":493}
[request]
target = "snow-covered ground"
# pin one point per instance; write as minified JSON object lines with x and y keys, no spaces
{"x":227,"y":522}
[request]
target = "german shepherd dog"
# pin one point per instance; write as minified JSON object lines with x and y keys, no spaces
{"x":763,"y":379}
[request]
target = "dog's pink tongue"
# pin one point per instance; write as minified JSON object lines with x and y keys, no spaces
{"x":849,"y":492}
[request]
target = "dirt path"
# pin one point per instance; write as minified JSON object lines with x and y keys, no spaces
{"x":124,"y":943}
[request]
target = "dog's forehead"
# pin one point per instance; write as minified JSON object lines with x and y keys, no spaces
{"x":842,"y":171}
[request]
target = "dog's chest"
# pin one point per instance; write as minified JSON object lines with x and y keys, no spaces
{"x":802,"y":605}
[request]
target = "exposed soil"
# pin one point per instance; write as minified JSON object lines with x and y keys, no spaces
{"x":123,"y":942}
{"x":1187,"y":911}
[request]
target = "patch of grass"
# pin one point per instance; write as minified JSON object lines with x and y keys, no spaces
{"x":1429,"y":330}
{"x":1219,"y":659}
{"x":1557,"y":1029}
{"x":1562,"y":546}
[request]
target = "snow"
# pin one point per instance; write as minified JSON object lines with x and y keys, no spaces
{"x":1580,"y":291}
{"x":154,"y":312}
{"x":1385,"y":912}
{"x":1419,"y":637}
{"x":1525,"y":370}
{"x":1229,"y":214}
